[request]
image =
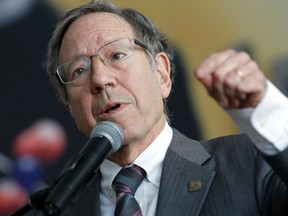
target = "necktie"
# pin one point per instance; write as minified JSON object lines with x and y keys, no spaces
{"x":125,"y":184}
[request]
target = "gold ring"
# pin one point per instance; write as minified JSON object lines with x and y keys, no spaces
{"x":240,"y":73}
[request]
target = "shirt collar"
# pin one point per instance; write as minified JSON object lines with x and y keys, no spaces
{"x":151,"y":160}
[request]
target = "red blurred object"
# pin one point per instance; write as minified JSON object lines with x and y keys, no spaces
{"x":12,"y":197}
{"x":45,"y":140}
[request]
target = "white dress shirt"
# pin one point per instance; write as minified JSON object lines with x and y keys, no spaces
{"x":151,"y":160}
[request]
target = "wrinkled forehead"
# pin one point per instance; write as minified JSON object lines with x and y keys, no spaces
{"x":90,"y":32}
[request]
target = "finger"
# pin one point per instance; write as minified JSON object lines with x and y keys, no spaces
{"x":230,"y":90}
{"x":251,"y":79}
{"x":232,"y":81}
{"x":219,"y":97}
{"x":224,"y":82}
{"x":227,"y":67}
{"x":207,"y":67}
{"x":252,"y":85}
{"x":255,"y":90}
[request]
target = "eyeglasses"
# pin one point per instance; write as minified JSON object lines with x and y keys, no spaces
{"x":114,"y":54}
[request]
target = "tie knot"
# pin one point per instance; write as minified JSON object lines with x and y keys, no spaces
{"x":129,"y":179}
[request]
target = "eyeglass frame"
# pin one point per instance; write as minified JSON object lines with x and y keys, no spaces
{"x":134,"y":40}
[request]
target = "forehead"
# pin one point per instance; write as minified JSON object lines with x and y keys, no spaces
{"x":91,"y":31}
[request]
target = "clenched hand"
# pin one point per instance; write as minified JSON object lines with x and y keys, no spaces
{"x":233,"y":79}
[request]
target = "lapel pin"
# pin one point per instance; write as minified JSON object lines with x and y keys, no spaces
{"x":194,"y":186}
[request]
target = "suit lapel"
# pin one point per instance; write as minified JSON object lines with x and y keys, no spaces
{"x":184,"y":182}
{"x":87,"y":202}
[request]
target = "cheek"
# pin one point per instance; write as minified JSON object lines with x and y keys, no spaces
{"x":140,"y":75}
{"x":78,"y":95}
{"x":75,"y":99}
{"x":80,"y":109}
{"x":149,"y":92}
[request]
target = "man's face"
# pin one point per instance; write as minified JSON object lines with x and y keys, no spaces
{"x":131,"y":97}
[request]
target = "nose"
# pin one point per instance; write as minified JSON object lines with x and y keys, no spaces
{"x":102,"y":75}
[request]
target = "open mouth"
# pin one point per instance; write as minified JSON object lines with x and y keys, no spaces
{"x":111,"y":109}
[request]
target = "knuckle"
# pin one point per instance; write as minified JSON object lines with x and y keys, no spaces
{"x":230,"y":51}
{"x":243,"y":55}
{"x":213,"y":56}
{"x":253,"y":65}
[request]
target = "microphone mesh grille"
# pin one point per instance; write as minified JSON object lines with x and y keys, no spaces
{"x":111,"y":131}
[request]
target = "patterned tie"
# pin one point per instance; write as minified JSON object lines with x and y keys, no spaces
{"x":125,"y":184}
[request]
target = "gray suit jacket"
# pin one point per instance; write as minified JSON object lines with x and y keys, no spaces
{"x":223,"y":176}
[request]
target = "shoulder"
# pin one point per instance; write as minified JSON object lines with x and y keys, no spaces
{"x":234,"y":152}
{"x":225,"y":148}
{"x":234,"y":142}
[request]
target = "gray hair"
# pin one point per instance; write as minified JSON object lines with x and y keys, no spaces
{"x":143,"y":28}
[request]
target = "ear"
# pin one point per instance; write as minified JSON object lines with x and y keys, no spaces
{"x":163,"y":73}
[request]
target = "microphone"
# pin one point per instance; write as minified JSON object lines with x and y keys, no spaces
{"x":105,"y":138}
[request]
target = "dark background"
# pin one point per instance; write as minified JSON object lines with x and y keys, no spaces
{"x":26,"y":95}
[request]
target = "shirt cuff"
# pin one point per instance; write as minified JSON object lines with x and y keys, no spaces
{"x":270,"y":117}
{"x":267,"y":124}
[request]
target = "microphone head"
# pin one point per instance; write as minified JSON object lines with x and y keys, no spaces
{"x":111,"y":131}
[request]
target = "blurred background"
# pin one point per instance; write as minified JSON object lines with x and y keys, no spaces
{"x":37,"y":135}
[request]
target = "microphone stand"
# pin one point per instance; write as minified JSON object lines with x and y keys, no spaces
{"x":36,"y":201}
